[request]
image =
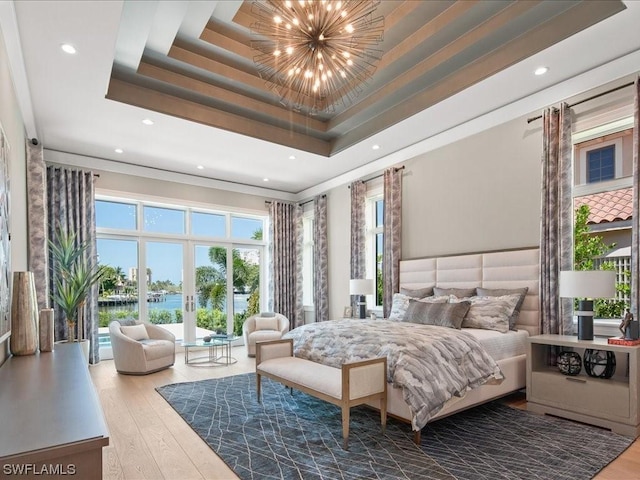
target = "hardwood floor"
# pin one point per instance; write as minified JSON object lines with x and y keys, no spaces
{"x":148,"y":440}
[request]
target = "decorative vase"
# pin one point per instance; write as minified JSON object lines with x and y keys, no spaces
{"x":599,"y":363}
{"x":24,"y":315}
{"x":46,"y":330}
{"x":569,"y":363}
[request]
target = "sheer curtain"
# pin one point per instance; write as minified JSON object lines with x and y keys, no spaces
{"x":556,"y":229}
{"x":635,"y":234}
{"x":320,"y":260}
{"x":358,"y":234}
{"x":71,"y":206}
{"x":392,"y":234}
{"x":285,"y":261}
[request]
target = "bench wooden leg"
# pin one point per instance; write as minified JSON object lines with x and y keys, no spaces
{"x":258,"y":390}
{"x":417,"y":437}
{"x":345,"y":426}
{"x":383,"y":412}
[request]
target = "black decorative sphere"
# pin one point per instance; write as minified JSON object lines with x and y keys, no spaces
{"x":599,"y":363}
{"x":206,"y":339}
{"x":569,"y":363}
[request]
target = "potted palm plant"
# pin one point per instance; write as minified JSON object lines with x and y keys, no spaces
{"x":73,"y":279}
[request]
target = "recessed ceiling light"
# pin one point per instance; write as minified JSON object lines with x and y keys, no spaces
{"x":376,"y":147}
{"x":68,"y":48}
{"x":200,"y":167}
{"x":541,"y":70}
{"x":147,"y":121}
{"x":292,"y":157}
{"x":118,"y":150}
{"x":265,"y":179}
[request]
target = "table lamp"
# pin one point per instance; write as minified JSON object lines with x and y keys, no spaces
{"x":587,"y":285}
{"x":361,"y":287}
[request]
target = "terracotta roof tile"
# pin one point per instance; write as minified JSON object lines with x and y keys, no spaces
{"x":608,"y":206}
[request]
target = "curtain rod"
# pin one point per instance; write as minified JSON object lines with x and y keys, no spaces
{"x":269,"y":202}
{"x":593,"y":97}
{"x":378,"y":176}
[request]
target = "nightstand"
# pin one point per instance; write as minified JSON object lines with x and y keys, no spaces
{"x":609,"y":403}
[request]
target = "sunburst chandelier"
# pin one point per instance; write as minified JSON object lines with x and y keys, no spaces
{"x":316,"y":54}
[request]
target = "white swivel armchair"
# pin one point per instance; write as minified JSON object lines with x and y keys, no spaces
{"x":141,"y":348}
{"x":262,"y":327}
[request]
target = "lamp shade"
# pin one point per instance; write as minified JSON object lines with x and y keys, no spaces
{"x":362,"y":286}
{"x":588,"y":284}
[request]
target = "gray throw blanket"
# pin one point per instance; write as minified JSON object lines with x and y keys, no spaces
{"x":431,"y":364}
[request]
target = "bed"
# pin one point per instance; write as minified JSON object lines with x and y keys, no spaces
{"x":496,"y":360}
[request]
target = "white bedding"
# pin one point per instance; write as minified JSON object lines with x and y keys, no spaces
{"x":501,"y":345}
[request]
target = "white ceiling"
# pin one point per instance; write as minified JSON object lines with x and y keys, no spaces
{"x":64,"y":105}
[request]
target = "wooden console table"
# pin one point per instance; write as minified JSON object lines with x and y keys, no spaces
{"x":51,"y":421}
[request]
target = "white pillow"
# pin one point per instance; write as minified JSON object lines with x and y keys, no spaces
{"x":489,"y":313}
{"x":135,"y":332}
{"x":266,"y":323}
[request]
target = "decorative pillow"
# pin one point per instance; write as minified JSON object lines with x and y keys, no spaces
{"x":135,"y":332}
{"x":400,"y":304}
{"x":440,"y":314}
{"x":266,"y":323}
{"x":417,"y":293}
{"x":127,"y":321}
{"x":489,"y":313}
{"x":458,"y":292}
{"x":499,"y":292}
{"x":268,"y":314}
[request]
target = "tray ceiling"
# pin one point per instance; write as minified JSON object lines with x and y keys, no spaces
{"x":432,"y":50}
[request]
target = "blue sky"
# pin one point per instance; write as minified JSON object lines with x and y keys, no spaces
{"x":164,"y":258}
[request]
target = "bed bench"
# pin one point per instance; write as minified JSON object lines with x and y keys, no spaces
{"x":354,"y":384}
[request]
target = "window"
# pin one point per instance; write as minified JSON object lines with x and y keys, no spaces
{"x":307,"y":258}
{"x":116,"y":215}
{"x":601,"y":164}
{"x":208,"y":224}
{"x":190,"y":270}
{"x":375,"y":241}
{"x":163,"y":220}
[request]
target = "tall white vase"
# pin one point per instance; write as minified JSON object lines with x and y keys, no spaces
{"x":24,"y":315}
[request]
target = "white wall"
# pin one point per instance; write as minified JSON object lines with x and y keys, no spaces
{"x":480,"y":193}
{"x":13,"y":125}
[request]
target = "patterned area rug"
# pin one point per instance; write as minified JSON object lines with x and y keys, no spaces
{"x":299,"y":437}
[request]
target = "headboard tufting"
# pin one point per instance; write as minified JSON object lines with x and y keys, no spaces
{"x":498,"y":269}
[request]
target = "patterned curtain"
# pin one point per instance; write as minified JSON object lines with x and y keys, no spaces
{"x":320,"y":260}
{"x":392,"y":236}
{"x":285,"y":261}
{"x":556,"y":229}
{"x":358,"y":234}
{"x":71,"y":206}
{"x":635,"y":234}
{"x":37,"y":221}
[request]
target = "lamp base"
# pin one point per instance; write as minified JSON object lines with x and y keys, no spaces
{"x":585,"y":320}
{"x":362,"y":307}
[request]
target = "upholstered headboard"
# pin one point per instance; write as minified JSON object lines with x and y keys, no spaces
{"x":500,"y":269}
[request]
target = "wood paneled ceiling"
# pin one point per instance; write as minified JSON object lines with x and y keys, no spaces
{"x":432,"y":50}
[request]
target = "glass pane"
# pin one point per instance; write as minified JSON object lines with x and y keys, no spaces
{"x":211,"y":289}
{"x":163,"y":220}
{"x":379,"y":251}
{"x":246,"y":285}
{"x":601,"y":164}
{"x":164,"y":286}
{"x":118,"y":297}
{"x":115,"y":215}
{"x":208,"y":224}
{"x":249,"y":228}
{"x":379,"y":213}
